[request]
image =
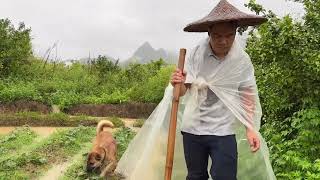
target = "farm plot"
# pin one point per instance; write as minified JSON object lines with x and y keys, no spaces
{"x":61,"y":155}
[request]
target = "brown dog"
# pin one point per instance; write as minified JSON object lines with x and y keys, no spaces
{"x":102,"y":157}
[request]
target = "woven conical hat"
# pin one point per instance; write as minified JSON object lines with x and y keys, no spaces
{"x":224,"y":12}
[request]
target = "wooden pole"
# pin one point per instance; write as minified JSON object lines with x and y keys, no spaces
{"x":173,"y":120}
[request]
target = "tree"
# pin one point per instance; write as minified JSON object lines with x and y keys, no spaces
{"x":15,"y":46}
{"x":105,"y":67}
{"x":286,"y":56}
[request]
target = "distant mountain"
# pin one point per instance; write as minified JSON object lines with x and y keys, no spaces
{"x":146,"y":53}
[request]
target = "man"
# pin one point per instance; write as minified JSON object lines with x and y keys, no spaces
{"x":211,"y":134}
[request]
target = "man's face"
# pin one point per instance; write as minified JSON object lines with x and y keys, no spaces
{"x":221,"y":37}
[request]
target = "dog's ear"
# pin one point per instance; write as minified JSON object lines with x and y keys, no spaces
{"x":89,"y":156}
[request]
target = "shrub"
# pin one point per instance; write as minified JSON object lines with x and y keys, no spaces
{"x":117,"y":122}
{"x":15,"y":47}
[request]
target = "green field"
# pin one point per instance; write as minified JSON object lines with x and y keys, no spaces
{"x":26,"y":155}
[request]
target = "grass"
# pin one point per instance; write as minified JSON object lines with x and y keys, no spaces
{"x":117,"y":122}
{"x":16,"y":140}
{"x":138,"y":123}
{"x":123,"y":137}
{"x":78,"y":170}
{"x":53,"y":150}
{"x":25,"y":155}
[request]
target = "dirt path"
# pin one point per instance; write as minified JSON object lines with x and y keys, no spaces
{"x":42,"y":131}
{"x":129,"y":123}
{"x":56,"y":171}
{"x":59,"y":169}
{"x":46,"y":131}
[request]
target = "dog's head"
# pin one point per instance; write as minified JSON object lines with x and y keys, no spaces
{"x":95,"y":159}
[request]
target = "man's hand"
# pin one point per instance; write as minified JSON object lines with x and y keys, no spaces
{"x":253,"y":140}
{"x":178,"y":77}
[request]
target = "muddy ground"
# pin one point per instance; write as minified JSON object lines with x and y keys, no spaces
{"x":127,"y":110}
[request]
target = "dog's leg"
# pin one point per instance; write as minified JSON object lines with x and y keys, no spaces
{"x":109,"y":169}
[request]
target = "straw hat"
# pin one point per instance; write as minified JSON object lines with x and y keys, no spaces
{"x":224,"y":12}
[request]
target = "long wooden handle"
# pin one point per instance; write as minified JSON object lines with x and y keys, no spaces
{"x":173,"y":120}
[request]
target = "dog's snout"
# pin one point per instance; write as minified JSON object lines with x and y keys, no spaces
{"x":90,"y":166}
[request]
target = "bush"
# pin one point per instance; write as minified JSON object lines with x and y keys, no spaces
{"x":123,"y":138}
{"x":19,"y":90}
{"x":295,"y":148}
{"x":138,"y":123}
{"x":55,"y":84}
{"x":286,"y":57}
{"x":153,"y":89}
{"x":15,"y":47}
{"x":117,"y":122}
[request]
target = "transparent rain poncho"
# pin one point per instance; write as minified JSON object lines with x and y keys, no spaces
{"x":145,"y":156}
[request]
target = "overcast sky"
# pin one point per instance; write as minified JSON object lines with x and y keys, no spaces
{"x":117,"y":27}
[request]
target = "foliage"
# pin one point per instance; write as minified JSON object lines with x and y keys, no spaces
{"x":138,"y":123}
{"x":287,"y":60}
{"x":295,"y":145}
{"x":104,"y":67}
{"x":77,"y":170}
{"x":11,"y":91}
{"x":16,"y":140}
{"x":84,"y":84}
{"x":15,"y":47}
{"x":117,"y":122}
{"x":152,"y":90}
{"x":286,"y":56}
{"x":123,"y":138}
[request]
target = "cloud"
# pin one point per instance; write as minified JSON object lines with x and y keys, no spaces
{"x":116,"y":27}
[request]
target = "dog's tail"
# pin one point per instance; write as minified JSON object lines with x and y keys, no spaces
{"x":102,"y":124}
